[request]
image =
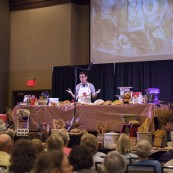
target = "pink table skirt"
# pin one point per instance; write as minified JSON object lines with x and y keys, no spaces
{"x":88,"y":115}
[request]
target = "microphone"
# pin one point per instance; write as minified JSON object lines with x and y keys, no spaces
{"x":90,"y":64}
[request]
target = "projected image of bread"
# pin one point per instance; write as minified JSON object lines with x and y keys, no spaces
{"x":131,"y":28}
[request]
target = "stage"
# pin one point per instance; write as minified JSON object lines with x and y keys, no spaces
{"x":87,"y":115}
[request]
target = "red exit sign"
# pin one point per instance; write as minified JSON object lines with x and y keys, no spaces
{"x":30,"y":82}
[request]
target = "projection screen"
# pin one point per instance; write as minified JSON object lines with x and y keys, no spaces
{"x":131,"y":30}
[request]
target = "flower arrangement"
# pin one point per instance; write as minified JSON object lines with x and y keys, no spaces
{"x":163,"y":114}
{"x":23,"y":113}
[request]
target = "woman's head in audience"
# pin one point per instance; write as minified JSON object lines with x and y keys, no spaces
{"x":114,"y":163}
{"x":23,"y":156}
{"x":54,"y":142}
{"x":81,"y":158}
{"x":143,"y":149}
{"x":52,"y":162}
{"x":64,"y":135}
{"x":38,"y":146}
{"x":90,"y":141}
{"x":124,"y":144}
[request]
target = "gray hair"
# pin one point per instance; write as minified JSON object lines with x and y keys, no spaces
{"x":114,"y":163}
{"x":143,"y":149}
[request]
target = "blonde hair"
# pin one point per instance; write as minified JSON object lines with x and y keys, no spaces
{"x":54,"y":142}
{"x":124,"y":144}
{"x":90,"y":141}
{"x":143,"y":149}
{"x":64,"y":135}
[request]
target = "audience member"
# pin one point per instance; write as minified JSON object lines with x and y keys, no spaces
{"x":114,"y":163}
{"x":65,"y":136}
{"x":52,"y":162}
{"x":54,"y":142}
{"x":143,"y":150}
{"x":5,"y":149}
{"x":81,"y":159}
{"x":35,"y":135}
{"x":38,"y":146}
{"x":124,"y":147}
{"x":10,"y":132}
{"x":23,"y":156}
{"x":91,"y":142}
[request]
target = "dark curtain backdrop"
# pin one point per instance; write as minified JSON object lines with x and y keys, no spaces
{"x":102,"y":76}
{"x":107,"y":77}
{"x":143,"y":75}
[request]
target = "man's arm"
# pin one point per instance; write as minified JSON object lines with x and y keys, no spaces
{"x":93,"y":92}
{"x":95,"y":95}
{"x":70,"y":92}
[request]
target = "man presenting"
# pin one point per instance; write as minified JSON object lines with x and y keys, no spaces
{"x":84,"y":90}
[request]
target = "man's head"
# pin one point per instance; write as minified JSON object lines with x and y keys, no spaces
{"x":5,"y":143}
{"x":83,"y":77}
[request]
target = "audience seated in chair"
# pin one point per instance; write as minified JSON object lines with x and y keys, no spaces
{"x":54,"y":142}
{"x":9,"y":132}
{"x":143,"y":150}
{"x":91,"y":142}
{"x":38,"y":146}
{"x":5,"y":149}
{"x":81,"y":159}
{"x":124,"y":147}
{"x":65,"y":136}
{"x":114,"y":163}
{"x":23,"y":157}
{"x":52,"y":162}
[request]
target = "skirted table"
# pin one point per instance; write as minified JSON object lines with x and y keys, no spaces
{"x":87,"y":115}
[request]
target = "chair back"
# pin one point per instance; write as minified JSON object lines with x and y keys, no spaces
{"x":133,"y":160}
{"x":135,"y":168}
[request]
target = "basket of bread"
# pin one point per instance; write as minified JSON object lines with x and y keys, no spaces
{"x":163,"y":114}
{"x":57,"y":125}
{"x":143,"y":132}
{"x":77,"y":131}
